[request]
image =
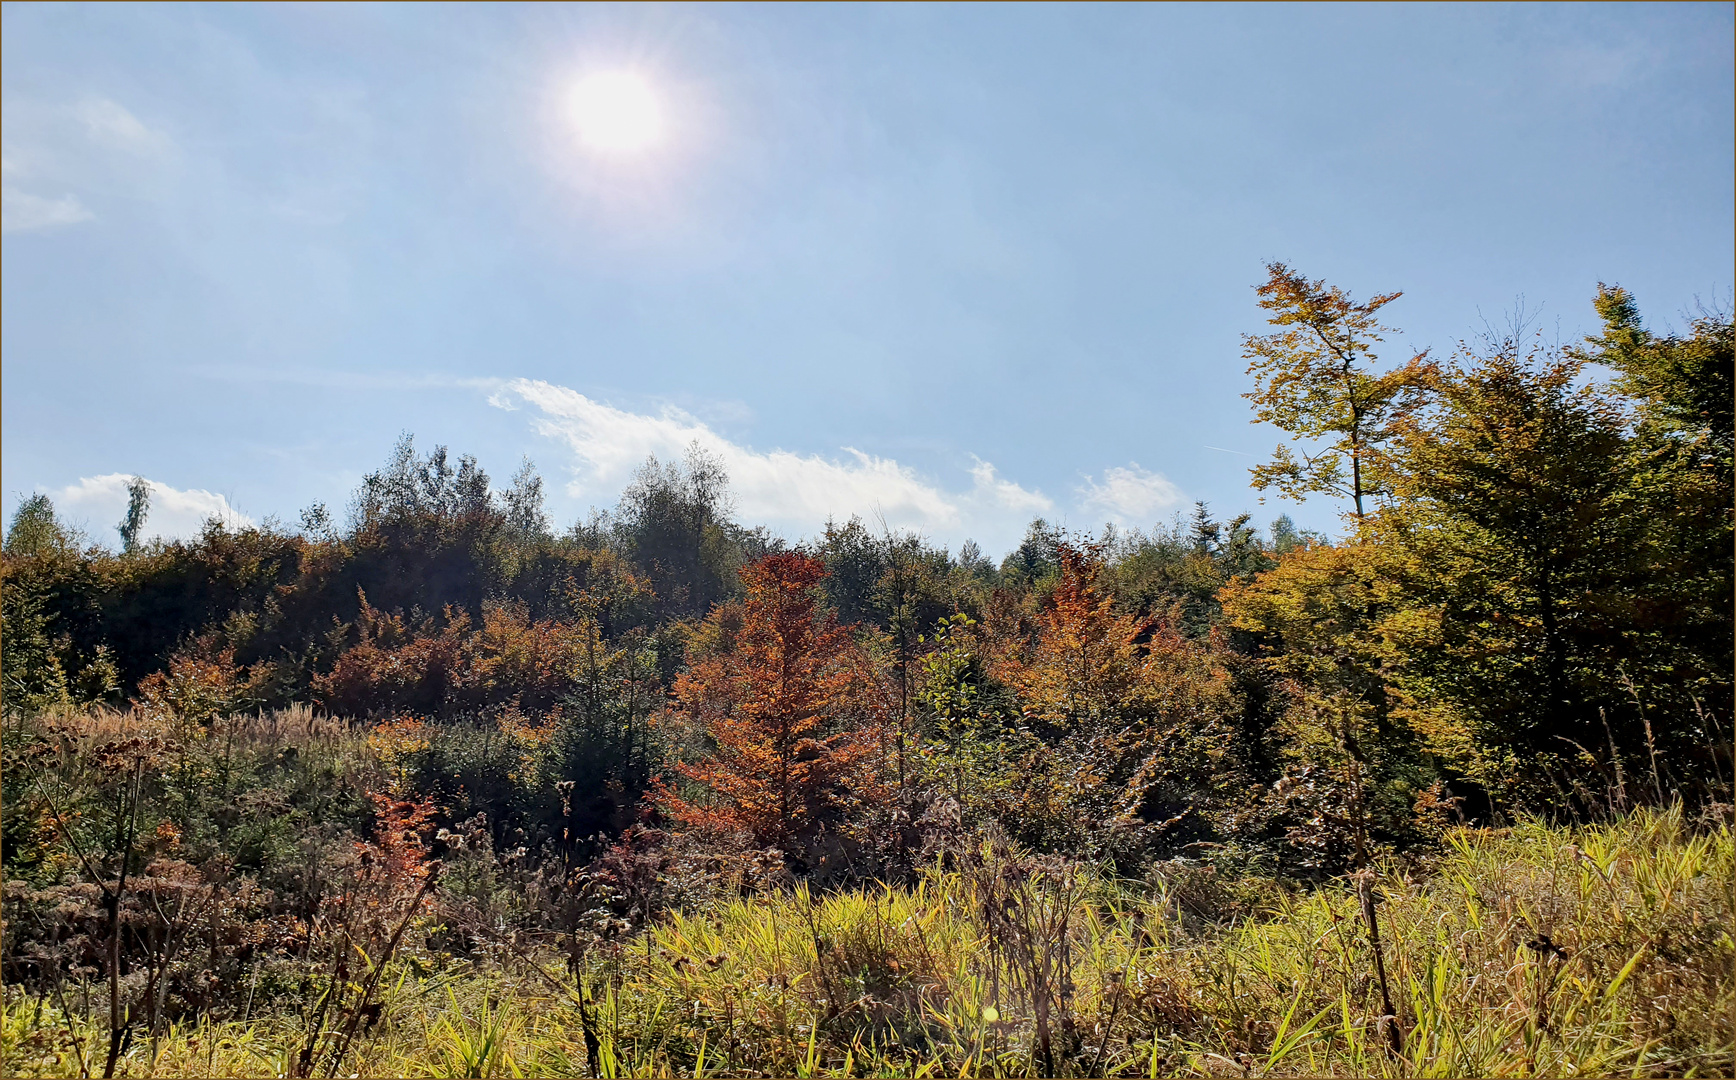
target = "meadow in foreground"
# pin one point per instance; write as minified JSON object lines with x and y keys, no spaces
{"x":1532,"y":950}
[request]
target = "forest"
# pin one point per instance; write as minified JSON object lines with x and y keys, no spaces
{"x":425,"y":784}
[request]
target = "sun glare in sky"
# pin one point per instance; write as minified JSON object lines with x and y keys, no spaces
{"x":616,"y":112}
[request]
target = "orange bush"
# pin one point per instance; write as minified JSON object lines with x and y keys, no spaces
{"x":511,"y":657}
{"x":202,"y":682}
{"x":398,"y":853}
{"x":394,"y":667}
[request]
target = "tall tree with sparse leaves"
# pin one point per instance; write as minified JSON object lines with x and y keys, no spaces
{"x":1316,"y":378}
{"x":132,"y":526}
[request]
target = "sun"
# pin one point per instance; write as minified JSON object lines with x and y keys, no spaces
{"x":616,"y":112}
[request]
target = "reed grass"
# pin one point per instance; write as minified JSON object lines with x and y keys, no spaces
{"x":1532,"y":951}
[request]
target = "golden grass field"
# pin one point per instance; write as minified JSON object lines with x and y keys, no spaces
{"x":1530,"y":951}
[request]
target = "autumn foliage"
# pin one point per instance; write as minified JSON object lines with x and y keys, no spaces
{"x":789,"y":743}
{"x":438,"y":667}
{"x":200,"y":682}
{"x":394,"y":665}
{"x":1083,"y":667}
{"x":1128,"y":721}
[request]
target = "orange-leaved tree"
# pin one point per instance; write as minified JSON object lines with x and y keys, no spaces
{"x":1134,"y":719}
{"x":1081,"y":670}
{"x":789,"y":746}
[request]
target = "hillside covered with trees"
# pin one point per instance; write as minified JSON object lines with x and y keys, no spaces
{"x":725,"y":802}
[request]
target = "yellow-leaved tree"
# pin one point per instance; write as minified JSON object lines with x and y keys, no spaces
{"x":1315,"y":378}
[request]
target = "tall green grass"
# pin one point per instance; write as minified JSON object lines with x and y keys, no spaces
{"x":1600,"y":950}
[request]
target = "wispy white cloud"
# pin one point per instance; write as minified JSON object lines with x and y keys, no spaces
{"x":1129,"y":495}
{"x":788,"y":490}
{"x":21,"y":211}
{"x":101,"y":501}
{"x":110,"y":124}
{"x":1005,"y":494}
{"x":95,"y":143}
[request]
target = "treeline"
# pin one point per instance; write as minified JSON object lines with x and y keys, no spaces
{"x":1530,"y":610}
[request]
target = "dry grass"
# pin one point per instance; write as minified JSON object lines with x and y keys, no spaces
{"x":1531,"y":951}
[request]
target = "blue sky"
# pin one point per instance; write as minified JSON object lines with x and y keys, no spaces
{"x":955,"y":265}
